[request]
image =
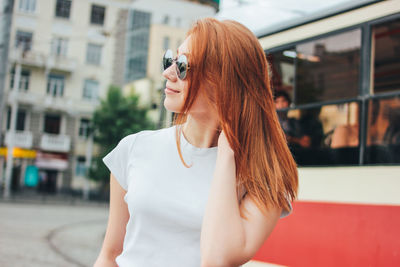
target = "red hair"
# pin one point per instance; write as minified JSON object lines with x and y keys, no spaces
{"x":229,"y":59}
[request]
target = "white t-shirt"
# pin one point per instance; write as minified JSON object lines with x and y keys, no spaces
{"x":166,"y":200}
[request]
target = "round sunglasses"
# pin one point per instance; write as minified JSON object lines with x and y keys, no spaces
{"x":181,"y":63}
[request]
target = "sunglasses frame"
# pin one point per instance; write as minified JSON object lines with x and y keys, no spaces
{"x":182,"y":59}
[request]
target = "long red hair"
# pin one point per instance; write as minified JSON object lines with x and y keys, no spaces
{"x":229,"y":59}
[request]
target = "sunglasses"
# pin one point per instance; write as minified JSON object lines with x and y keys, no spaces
{"x":181,"y":63}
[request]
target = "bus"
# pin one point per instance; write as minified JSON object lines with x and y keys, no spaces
{"x":338,"y":73}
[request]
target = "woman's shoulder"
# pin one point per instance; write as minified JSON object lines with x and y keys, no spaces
{"x":147,"y":136}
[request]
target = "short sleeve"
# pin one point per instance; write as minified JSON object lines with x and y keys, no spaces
{"x":117,"y":160}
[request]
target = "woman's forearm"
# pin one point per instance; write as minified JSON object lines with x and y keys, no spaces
{"x":222,"y":235}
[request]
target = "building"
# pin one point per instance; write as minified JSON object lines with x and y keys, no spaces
{"x":67,"y":65}
{"x":5,"y":22}
{"x":152,"y":27}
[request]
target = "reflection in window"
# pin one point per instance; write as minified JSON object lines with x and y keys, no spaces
{"x":383,"y":136}
{"x":386,"y":40}
{"x":326,"y":135}
{"x":328,"y":68}
{"x":282,"y":70}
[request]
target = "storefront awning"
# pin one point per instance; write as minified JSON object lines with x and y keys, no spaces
{"x":52,"y":161}
{"x":19,"y":153}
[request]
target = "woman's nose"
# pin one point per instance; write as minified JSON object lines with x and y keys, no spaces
{"x":170,"y":73}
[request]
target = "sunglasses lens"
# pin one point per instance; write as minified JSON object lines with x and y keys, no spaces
{"x":167,"y":59}
{"x":181,"y":66}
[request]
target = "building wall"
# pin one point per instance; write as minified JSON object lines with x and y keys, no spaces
{"x":44,"y":26}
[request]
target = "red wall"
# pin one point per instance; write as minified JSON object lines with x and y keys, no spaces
{"x":331,"y":234}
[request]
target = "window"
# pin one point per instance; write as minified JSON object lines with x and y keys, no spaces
{"x":84,"y":128}
{"x":97,"y":15}
{"x":80,"y":166}
{"x":63,"y":8}
{"x":383,"y":134}
{"x":24,"y":40}
{"x":166,"y":43}
{"x":138,"y":42}
{"x":59,"y":46}
{"x":139,"y":20}
{"x":55,"y":85}
{"x":52,"y":123}
{"x":90,"y":90}
{"x":281,"y":70}
{"x":383,"y":131}
{"x":311,"y":73}
{"x":166,"y":20}
{"x":386,"y":75}
{"x":324,"y":135}
{"x":137,"y":67}
{"x":27,"y":6}
{"x":137,"y":45}
{"x":23,"y":81}
{"x":93,"y":54}
{"x":325,"y":123}
{"x":20,"y":123}
{"x":328,"y":68}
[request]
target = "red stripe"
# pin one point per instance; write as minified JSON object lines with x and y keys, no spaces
{"x":330,"y":234}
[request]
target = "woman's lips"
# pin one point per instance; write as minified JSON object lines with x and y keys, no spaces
{"x":171,"y":91}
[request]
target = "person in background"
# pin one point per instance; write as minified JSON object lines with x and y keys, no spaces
{"x":209,"y":190}
{"x":290,"y":126}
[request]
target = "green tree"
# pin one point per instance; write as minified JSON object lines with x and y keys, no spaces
{"x":116,"y":117}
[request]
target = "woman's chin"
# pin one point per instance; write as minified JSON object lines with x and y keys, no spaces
{"x":172,"y":106}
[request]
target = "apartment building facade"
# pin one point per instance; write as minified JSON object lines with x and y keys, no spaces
{"x":67,"y":55}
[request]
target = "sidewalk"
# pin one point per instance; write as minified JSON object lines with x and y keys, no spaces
{"x":34,"y":197}
{"x":48,"y":235}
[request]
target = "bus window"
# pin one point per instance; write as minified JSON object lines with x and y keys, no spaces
{"x":281,"y":68}
{"x":386,"y":41}
{"x":325,"y":135}
{"x":328,"y":68}
{"x":383,"y":135}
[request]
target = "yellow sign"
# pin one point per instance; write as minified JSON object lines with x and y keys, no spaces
{"x":19,"y":153}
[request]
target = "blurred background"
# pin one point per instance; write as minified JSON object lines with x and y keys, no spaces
{"x":76,"y":76}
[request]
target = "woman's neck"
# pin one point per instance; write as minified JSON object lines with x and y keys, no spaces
{"x":201,"y":132}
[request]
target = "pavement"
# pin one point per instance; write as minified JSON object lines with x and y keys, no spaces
{"x":51,"y":233}
{"x":55,"y":231}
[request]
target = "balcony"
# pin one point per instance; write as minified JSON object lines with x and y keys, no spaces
{"x":22,"y":139}
{"x":61,"y":63}
{"x":50,"y":62}
{"x":55,"y":142}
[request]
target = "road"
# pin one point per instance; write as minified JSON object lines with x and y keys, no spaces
{"x":61,"y":235}
{"x":51,"y":235}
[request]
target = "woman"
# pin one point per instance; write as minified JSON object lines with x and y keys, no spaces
{"x":209,"y":190}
